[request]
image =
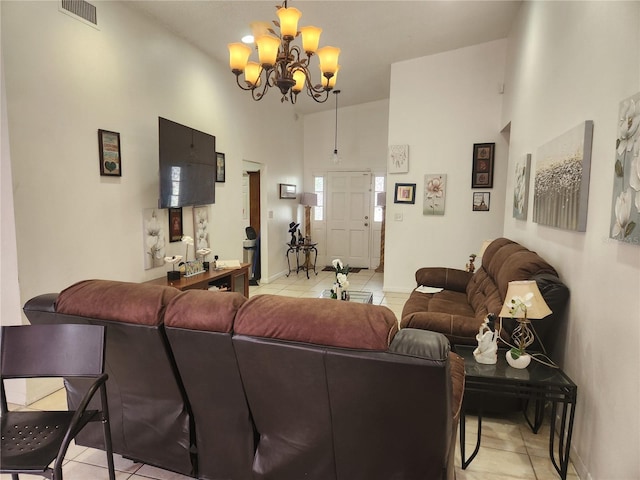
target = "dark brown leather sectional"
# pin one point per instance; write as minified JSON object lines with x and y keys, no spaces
{"x":216,"y":386}
{"x":459,"y":310}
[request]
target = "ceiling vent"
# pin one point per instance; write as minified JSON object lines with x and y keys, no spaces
{"x":81,"y":10}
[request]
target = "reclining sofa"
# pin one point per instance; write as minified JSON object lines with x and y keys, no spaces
{"x":460,"y":308}
{"x":215,"y":386}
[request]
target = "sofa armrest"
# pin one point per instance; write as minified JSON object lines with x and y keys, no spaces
{"x":41,"y":303}
{"x":421,"y":343}
{"x":441,"y":277}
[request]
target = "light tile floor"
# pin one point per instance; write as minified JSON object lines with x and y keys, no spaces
{"x":509,"y":449}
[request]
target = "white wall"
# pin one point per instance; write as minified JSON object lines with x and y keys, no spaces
{"x":362,"y":145}
{"x":64,"y":81}
{"x":440,"y":106}
{"x":569,"y":62}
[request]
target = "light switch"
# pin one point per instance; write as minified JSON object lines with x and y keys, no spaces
{"x":397,"y":217}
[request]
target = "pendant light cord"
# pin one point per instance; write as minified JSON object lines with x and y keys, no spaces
{"x":335,"y":143}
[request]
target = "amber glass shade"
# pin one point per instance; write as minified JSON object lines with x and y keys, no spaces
{"x":252,"y":74}
{"x":299,"y":77}
{"x":259,"y":28}
{"x":328,"y":57}
{"x":238,"y":56}
{"x":310,"y":38}
{"x":267,"y":50}
{"x":329,"y":82}
{"x":289,"y":21}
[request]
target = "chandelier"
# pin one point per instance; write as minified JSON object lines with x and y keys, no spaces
{"x":281,"y":64}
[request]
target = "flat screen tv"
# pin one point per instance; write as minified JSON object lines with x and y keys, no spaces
{"x":187,"y":165}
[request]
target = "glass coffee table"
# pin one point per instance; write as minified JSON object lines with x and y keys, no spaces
{"x":358,"y":296}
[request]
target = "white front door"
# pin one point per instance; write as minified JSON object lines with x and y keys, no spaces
{"x":348,"y":222}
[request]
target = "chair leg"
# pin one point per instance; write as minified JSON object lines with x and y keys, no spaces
{"x":106,"y":429}
{"x":14,"y":476}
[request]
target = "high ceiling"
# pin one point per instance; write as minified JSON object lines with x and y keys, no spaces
{"x":371,"y":34}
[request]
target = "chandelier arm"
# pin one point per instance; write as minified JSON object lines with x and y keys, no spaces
{"x":267,"y":83}
{"x":243,"y":87}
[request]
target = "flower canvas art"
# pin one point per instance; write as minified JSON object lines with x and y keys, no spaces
{"x":521,"y":187}
{"x":201,"y":227}
{"x":434,"y":194}
{"x":561,"y":185}
{"x":625,"y":205}
{"x":154,"y":237}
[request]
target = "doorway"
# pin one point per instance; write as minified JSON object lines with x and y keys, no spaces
{"x":348,"y":217}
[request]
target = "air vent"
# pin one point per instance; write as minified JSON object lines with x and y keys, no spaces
{"x":81,"y":10}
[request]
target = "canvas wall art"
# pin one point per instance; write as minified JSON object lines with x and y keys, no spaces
{"x":201,"y":227}
{"x":561,"y":185}
{"x":625,"y":206}
{"x":398,"y":159}
{"x":154,"y":221}
{"x":521,"y":187}
{"x":434,"y":194}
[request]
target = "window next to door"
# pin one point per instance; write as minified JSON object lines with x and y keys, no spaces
{"x":318,"y":188}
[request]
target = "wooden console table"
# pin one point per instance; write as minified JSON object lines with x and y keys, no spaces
{"x":236,"y":279}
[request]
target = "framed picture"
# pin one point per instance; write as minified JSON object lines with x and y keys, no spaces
{"x":405,"y":193}
{"x":481,"y":201}
{"x":287,"y":190}
{"x":220,"y":167}
{"x":153,"y":220}
{"x":398,"y":159}
{"x":110,"y":160}
{"x":201,"y":227}
{"x":175,"y":224}
{"x":482,"y":171}
{"x":521,"y":187}
{"x":435,"y":189}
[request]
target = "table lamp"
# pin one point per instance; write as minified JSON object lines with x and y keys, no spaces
{"x":523,"y":302}
{"x":308,"y":200}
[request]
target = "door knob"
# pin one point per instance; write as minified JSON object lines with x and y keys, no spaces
{"x":366,"y":217}
{"x":366,"y":224}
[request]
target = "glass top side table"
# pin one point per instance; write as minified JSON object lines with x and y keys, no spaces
{"x":539,"y":383}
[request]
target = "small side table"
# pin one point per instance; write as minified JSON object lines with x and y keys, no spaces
{"x":538,"y":383}
{"x":304,"y":249}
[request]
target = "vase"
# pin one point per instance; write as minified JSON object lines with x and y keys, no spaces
{"x":522,"y":361}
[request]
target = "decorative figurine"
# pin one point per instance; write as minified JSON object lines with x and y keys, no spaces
{"x":293,"y":227}
{"x":470,"y":266}
{"x":487,"y":337}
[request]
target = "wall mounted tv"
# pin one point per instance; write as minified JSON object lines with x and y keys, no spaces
{"x":187,"y":165}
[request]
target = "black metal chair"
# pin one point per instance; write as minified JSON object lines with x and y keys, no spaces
{"x":36,"y":442}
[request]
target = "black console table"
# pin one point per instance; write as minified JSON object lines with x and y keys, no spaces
{"x":303,"y":250}
{"x":538,"y":383}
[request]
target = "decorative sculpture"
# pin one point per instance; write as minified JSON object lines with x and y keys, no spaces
{"x":487,"y":337}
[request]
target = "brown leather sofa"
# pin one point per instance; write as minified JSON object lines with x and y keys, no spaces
{"x":220,"y":387}
{"x":459,"y":310}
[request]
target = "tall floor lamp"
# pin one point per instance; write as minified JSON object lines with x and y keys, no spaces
{"x":308,"y":200}
{"x":381,"y":201}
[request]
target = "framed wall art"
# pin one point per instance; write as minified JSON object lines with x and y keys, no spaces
{"x":220,"y":167}
{"x":201,"y":227}
{"x":287,"y":191}
{"x":110,"y":158}
{"x":434,"y":194}
{"x":482,"y":169}
{"x":405,"y":193}
{"x":153,"y":220}
{"x":175,"y":224}
{"x":625,"y":203}
{"x":521,"y":187}
{"x":561,"y":184}
{"x":398,"y":161}
{"x":481,"y":201}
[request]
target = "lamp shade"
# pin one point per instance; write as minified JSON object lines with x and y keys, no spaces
{"x":484,"y":246}
{"x":238,"y":56}
{"x":527,"y":292}
{"x":298,"y":77}
{"x":252,"y":74}
{"x":328,"y":57}
{"x":329,"y":82}
{"x":267,"y":49}
{"x":289,"y":21}
{"x":309,"y":199}
{"x":381,"y":199}
{"x":310,"y":38}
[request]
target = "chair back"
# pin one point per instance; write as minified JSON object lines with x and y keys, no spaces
{"x":52,"y":351}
